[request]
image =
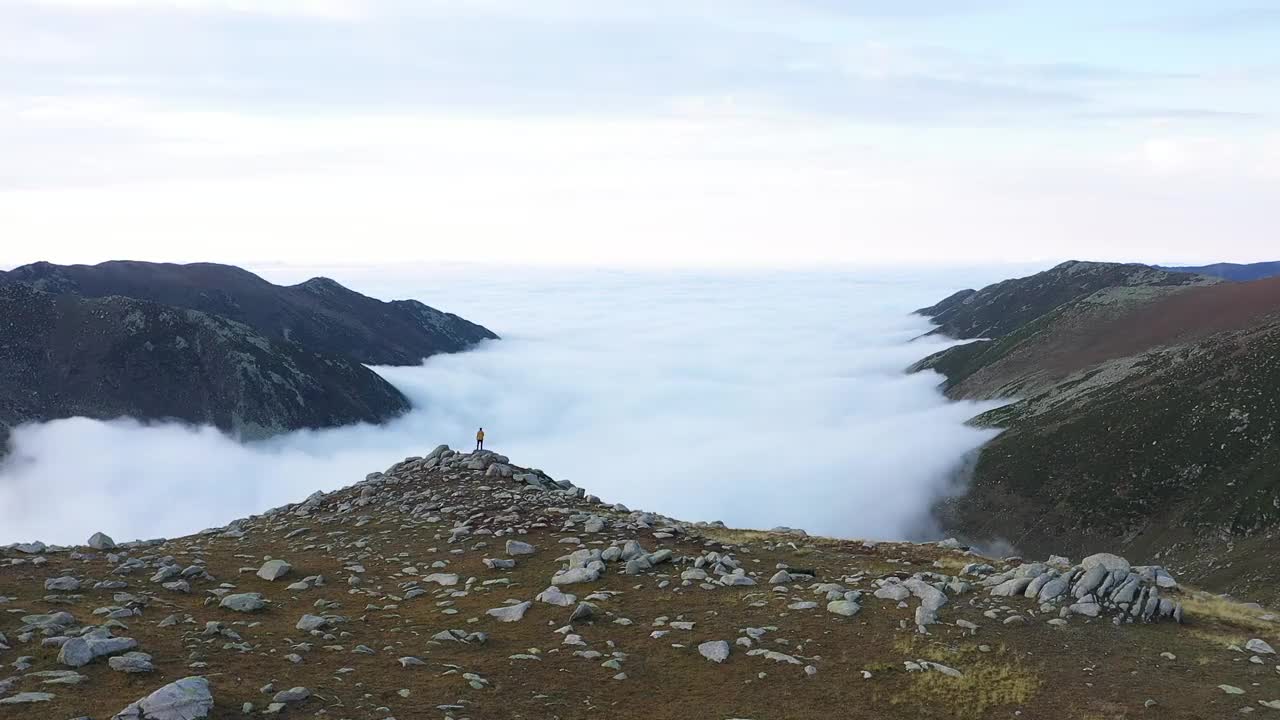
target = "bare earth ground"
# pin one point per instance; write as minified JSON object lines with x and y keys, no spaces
{"x":387,"y":533}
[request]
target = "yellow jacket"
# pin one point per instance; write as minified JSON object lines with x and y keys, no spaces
{"x":479,"y":435}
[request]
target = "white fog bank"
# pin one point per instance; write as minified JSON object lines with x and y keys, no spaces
{"x":759,"y":399}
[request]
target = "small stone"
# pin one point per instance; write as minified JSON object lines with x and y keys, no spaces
{"x":292,"y":695}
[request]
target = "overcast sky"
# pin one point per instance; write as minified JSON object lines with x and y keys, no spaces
{"x":625,"y":132}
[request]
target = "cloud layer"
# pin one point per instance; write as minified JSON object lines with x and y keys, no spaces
{"x":760,"y":399}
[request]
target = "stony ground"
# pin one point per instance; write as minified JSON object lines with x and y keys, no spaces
{"x":461,"y":586}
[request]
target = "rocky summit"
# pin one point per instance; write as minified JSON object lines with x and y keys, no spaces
{"x":461,"y":585}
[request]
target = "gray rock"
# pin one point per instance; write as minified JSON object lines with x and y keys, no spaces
{"x":1054,"y":588}
{"x":292,"y":695}
{"x":553,"y":596}
{"x":510,"y":613}
{"x":132,"y":662}
{"x":101,"y":541}
{"x":243,"y":602}
{"x":892,"y":591}
{"x":62,"y":584}
{"x":311,"y":622}
{"x":274,"y":569}
{"x":716,"y":651}
{"x":186,"y":699}
{"x":27,"y":698}
{"x":845,"y":608}
{"x":575,"y":575}
{"x":584,"y":611}
{"x":1091,"y":580}
{"x":1106,"y":560}
{"x":515,"y":547}
{"x":80,"y":651}
{"x":931,"y":597}
{"x":1259,"y":646}
{"x":1086,"y":609}
{"x":1011,"y":587}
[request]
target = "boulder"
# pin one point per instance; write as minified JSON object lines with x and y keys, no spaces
{"x":716,"y":651}
{"x":186,"y":699}
{"x":274,"y":570}
{"x":1106,"y":560}
{"x":243,"y":602}
{"x":101,"y":541}
{"x":510,"y":613}
{"x":515,"y":547}
{"x":845,"y":608}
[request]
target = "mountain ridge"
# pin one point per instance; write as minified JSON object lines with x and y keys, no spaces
{"x":318,"y":313}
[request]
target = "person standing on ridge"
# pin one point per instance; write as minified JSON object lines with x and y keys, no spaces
{"x":480,"y":439}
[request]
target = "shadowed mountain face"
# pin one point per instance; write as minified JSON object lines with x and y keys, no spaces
{"x":63,"y":355}
{"x":318,"y":314}
{"x":1142,"y":417}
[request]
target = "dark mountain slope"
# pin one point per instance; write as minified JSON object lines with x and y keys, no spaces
{"x":319,"y":314}
{"x":1233,"y":271}
{"x":1002,"y":308}
{"x":1145,"y":418}
{"x":63,"y":355}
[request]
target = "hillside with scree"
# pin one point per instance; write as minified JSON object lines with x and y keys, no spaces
{"x":459,"y":585}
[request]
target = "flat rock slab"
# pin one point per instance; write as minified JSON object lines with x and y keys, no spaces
{"x":186,"y":699}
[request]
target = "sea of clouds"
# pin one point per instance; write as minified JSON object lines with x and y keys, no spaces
{"x":757,"y":398}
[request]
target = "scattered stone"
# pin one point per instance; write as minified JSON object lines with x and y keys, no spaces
{"x":716,"y":651}
{"x":510,"y":613}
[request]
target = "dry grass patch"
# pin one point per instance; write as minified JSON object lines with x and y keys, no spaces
{"x":990,"y":680}
{"x":1203,"y":606}
{"x":987,"y":684}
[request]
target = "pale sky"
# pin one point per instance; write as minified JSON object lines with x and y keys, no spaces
{"x":661,"y":132}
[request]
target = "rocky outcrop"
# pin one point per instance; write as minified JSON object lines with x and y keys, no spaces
{"x":63,"y":355}
{"x":319,"y":314}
